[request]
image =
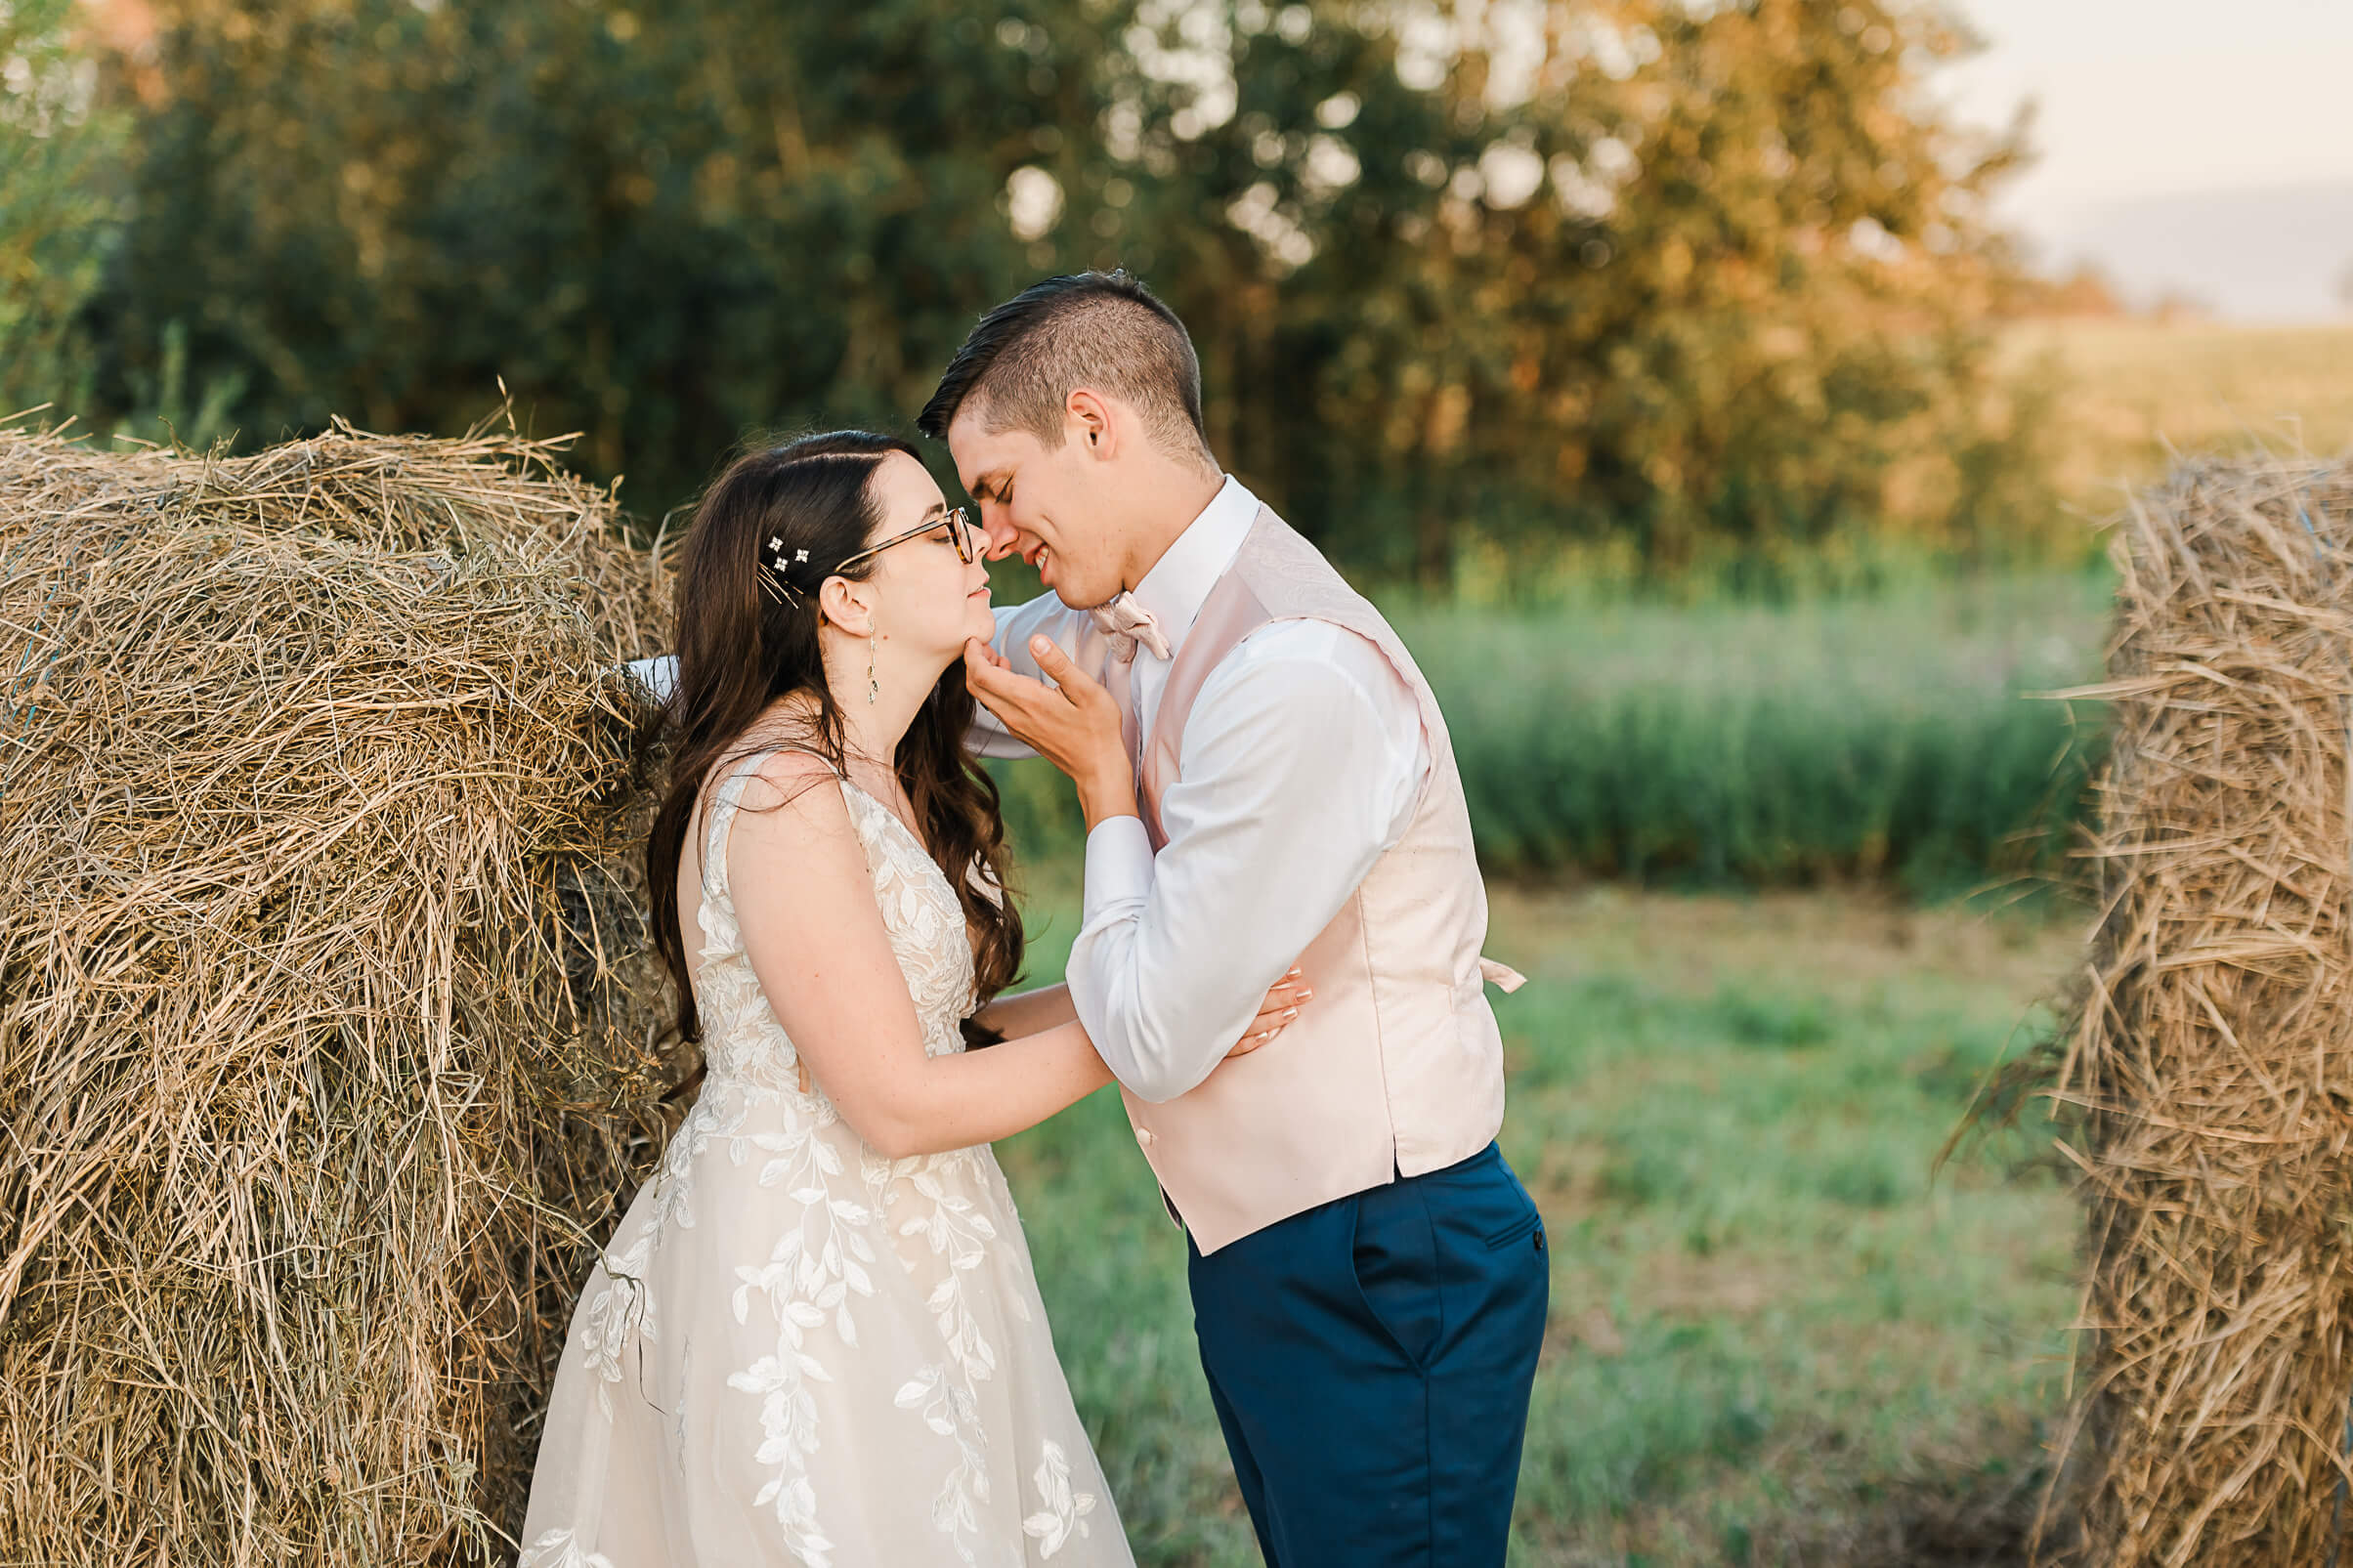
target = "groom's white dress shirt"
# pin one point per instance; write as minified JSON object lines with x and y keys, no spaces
{"x":1303,"y":758}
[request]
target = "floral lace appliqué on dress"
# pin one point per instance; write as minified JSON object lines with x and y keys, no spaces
{"x":795,"y":1350}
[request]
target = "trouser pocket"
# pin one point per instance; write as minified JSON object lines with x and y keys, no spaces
{"x":1508,"y":1215}
{"x":1393,"y":1256}
{"x":1518,"y":1232}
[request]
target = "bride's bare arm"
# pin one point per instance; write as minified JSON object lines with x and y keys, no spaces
{"x":805,"y":903}
{"x":1025,"y":1012}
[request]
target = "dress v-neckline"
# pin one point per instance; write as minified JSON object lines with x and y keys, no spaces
{"x":923,"y":852}
{"x":883,"y":806}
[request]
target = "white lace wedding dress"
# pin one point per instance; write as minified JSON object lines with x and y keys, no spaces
{"x":795,"y":1350}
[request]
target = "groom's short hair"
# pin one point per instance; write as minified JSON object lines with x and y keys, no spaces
{"x":1103,"y":330}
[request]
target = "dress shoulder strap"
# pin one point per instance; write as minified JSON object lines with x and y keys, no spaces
{"x":721,"y":817}
{"x":726,"y":801}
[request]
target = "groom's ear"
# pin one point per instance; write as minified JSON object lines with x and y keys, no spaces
{"x":1086,"y":417}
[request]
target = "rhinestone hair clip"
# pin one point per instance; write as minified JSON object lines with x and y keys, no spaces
{"x":778,"y":566}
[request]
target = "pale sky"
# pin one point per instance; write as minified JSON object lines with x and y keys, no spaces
{"x":2187,"y":144}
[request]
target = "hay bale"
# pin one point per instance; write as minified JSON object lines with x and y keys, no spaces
{"x":2208,"y":1069}
{"x":326,"y":1035}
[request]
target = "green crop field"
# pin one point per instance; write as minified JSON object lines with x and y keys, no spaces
{"x":1778,"y":1335}
{"x":1891,"y":735}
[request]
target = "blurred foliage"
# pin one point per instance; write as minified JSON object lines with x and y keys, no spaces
{"x":54,"y":217}
{"x":1696,"y":278}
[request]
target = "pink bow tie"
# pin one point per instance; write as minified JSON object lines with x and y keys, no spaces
{"x":1127,"y":623}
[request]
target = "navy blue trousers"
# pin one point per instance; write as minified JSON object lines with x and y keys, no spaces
{"x":1370,"y":1361}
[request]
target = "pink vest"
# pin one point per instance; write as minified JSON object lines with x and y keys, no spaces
{"x":1397,"y":1065}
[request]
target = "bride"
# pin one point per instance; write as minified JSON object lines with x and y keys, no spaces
{"x":815,"y":1337}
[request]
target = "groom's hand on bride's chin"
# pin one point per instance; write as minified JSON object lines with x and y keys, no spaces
{"x":1071,"y":723}
{"x":1064,"y":716}
{"x":1001,"y":689}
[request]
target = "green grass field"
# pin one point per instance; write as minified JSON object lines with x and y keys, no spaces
{"x":1775,"y":1337}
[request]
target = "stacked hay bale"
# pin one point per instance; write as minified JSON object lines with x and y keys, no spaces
{"x":2211,"y":1062}
{"x":328,"y":1039}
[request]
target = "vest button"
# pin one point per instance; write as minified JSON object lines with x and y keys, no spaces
{"x":1145,"y":1138}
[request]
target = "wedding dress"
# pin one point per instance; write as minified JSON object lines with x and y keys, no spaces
{"x":795,"y":1350}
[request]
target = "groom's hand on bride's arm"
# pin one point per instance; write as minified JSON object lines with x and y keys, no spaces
{"x":1073,"y":722}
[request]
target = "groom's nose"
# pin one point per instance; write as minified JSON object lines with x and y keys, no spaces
{"x":1003,"y":538}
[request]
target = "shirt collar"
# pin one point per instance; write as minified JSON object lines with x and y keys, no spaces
{"x":1179,"y":583}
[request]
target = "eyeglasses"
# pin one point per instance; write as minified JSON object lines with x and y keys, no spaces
{"x":958,"y":523}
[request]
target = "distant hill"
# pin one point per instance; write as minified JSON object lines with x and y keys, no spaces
{"x":2278,"y":253}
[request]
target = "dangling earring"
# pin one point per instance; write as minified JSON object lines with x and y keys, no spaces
{"x":874,"y":687}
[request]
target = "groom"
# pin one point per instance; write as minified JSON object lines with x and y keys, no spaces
{"x":1369,"y":1279}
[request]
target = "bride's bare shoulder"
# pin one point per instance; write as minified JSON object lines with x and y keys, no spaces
{"x":792,"y":791}
{"x":783,"y":753}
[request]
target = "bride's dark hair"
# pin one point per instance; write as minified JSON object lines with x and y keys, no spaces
{"x":742,"y":643}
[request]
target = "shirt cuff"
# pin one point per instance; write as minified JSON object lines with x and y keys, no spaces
{"x":658,"y":676}
{"x":1119,"y":867}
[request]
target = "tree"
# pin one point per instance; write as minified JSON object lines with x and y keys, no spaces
{"x":1700,"y":279}
{"x":660,"y":232}
{"x":1709,"y":275}
{"x":53,"y":203}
